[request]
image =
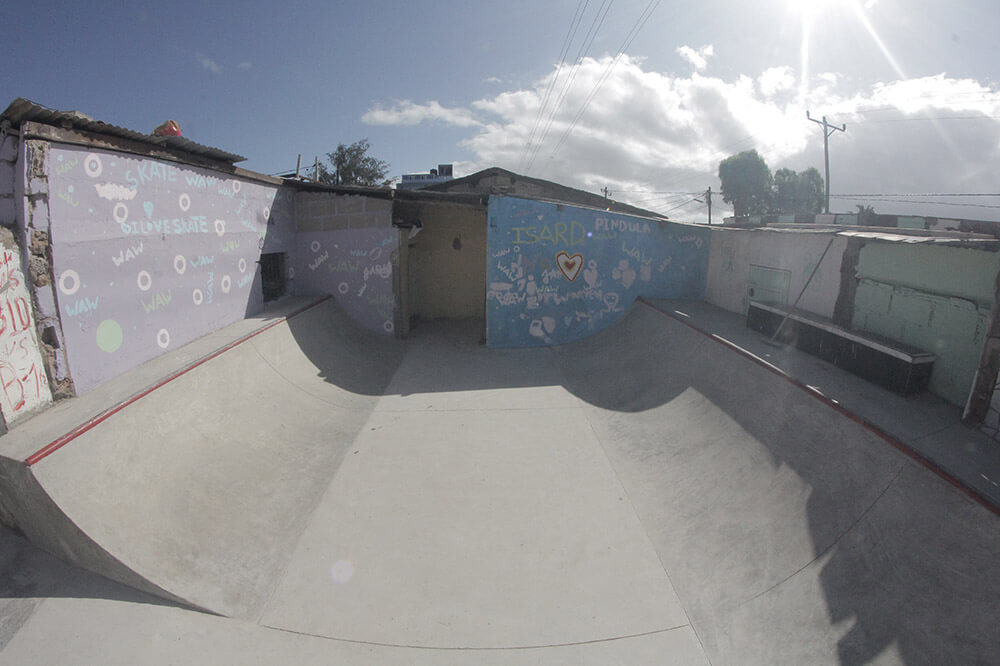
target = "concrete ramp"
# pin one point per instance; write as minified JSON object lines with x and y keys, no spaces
{"x":649,"y":495}
{"x":791,"y":532}
{"x":200,"y":488}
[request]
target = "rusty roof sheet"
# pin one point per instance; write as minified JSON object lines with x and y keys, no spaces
{"x":22,"y":110}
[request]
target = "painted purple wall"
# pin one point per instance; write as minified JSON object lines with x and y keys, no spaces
{"x":355,"y":266}
{"x":149,"y":255}
{"x":345,"y":247}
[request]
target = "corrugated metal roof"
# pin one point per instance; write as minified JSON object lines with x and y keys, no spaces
{"x":22,"y":110}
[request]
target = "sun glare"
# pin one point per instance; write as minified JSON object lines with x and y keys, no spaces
{"x":812,"y":11}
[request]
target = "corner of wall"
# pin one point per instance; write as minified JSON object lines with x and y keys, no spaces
{"x":36,"y":252}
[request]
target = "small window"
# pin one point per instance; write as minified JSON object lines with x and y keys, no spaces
{"x":272,"y":275}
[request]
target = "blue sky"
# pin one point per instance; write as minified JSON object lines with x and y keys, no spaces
{"x":433,"y":82}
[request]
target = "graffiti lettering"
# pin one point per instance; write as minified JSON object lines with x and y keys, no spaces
{"x":114,"y":192}
{"x":245,"y":280}
{"x":82,"y":306}
{"x":558,"y":233}
{"x":313,"y":265}
{"x":24,"y":385}
{"x":127,"y":254}
{"x":15,"y":315}
{"x":67,"y":166}
{"x":147,"y":171}
{"x":344,"y":266}
{"x":196,"y":224}
{"x":613,"y":224}
{"x":68,"y":198}
{"x":8,"y":271}
{"x":202,"y":260}
{"x":383,"y":271}
{"x":159,"y":300}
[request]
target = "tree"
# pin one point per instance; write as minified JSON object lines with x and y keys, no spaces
{"x":352,"y":165}
{"x":746,"y":183}
{"x":798,"y":192}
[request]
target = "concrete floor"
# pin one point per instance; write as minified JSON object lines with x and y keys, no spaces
{"x":645,"y":496}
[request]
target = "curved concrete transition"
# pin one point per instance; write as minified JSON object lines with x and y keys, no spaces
{"x":644,"y":496}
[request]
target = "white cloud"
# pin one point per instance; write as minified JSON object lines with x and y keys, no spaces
{"x":208,"y":63}
{"x":646,"y":133}
{"x":776,"y":80}
{"x":245,"y":65}
{"x":697,"y":58}
{"x":406,"y":113}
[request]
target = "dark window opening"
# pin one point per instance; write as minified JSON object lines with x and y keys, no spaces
{"x":272,"y":275}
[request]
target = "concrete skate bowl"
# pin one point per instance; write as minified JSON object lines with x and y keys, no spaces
{"x":777,"y":529}
{"x":790,"y":531}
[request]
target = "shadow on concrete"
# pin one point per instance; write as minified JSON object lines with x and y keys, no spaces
{"x":29,"y":575}
{"x":790,"y":532}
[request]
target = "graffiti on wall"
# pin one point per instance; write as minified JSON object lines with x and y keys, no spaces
{"x":149,"y":255}
{"x":355,"y":265}
{"x":558,"y":273}
{"x":22,"y":374}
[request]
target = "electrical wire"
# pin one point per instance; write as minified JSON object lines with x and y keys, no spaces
{"x":574,"y":25}
{"x":629,"y":38}
{"x":581,"y":53}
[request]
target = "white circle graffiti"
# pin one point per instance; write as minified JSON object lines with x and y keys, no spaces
{"x":144,"y":280}
{"x":197,"y":296}
{"x":291,"y":272}
{"x":92,"y":165}
{"x":388,"y":326}
{"x":69,"y":282}
{"x":184,"y":201}
{"x":236,"y":186}
{"x":267,"y":214}
{"x":226,"y":284}
{"x":314,"y":246}
{"x":220,"y":227}
{"x":343,"y":287}
{"x":243,"y":265}
{"x":163,"y":338}
{"x":120,"y":212}
{"x":180,"y":264}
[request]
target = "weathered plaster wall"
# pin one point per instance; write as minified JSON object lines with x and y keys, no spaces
{"x":447,"y":262}
{"x":346,"y":246}
{"x":558,"y":273}
{"x":742,"y":258}
{"x":24,"y":386}
{"x":937,"y":298}
{"x":148,"y":255}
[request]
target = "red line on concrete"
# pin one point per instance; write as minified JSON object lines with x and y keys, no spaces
{"x":900,"y":445}
{"x":95,"y":421}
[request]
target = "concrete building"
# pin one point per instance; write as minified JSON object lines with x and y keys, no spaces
{"x":417,"y":181}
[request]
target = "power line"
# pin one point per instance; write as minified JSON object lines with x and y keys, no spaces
{"x":922,"y":203}
{"x":927,"y":194}
{"x":581,"y":53}
{"x":574,"y":24}
{"x":629,"y":38}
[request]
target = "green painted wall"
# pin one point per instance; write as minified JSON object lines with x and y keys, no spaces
{"x":938,"y":269}
{"x":934,"y":297}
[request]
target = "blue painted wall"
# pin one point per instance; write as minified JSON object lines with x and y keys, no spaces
{"x":558,"y":273}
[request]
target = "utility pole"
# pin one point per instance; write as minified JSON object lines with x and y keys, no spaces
{"x":828,"y":130}
{"x":708,"y":200}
